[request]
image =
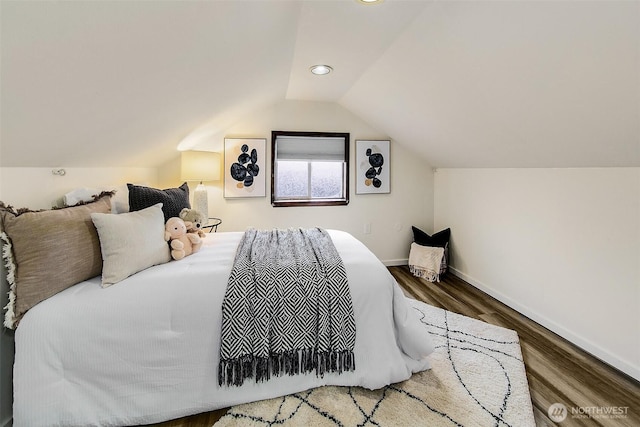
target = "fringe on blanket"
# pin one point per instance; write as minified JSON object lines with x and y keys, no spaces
{"x":429,"y":275}
{"x":235,"y":371}
{"x":7,"y":254}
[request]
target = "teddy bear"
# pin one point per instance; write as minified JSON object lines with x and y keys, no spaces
{"x":182,"y":243}
{"x":196,"y":218}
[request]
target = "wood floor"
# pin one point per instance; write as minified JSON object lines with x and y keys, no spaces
{"x":557,"y":371}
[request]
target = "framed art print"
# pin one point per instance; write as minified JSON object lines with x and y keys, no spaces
{"x":372,"y":167}
{"x":244,"y":167}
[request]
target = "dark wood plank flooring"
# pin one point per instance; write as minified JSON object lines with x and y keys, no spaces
{"x":557,"y":371}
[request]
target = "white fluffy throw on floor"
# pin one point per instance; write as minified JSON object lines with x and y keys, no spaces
{"x":424,"y":261}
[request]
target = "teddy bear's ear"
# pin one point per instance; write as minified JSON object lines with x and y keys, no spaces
{"x":183,"y":212}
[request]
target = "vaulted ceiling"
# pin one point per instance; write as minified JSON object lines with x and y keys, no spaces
{"x":462,"y":83}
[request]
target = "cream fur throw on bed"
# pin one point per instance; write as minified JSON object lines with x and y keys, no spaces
{"x":424,"y":261}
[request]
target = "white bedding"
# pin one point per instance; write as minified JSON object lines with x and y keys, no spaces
{"x":147,"y":349}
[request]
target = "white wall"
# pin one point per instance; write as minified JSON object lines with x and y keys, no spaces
{"x":561,"y":246}
{"x":390,"y":215}
{"x":513,"y":84}
{"x":38,"y":188}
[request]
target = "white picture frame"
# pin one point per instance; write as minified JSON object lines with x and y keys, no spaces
{"x":373,"y":172}
{"x":245,"y":167}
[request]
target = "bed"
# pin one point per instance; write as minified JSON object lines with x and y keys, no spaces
{"x":147,"y":348}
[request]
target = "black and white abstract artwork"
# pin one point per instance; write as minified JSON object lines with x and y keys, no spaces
{"x":244,"y":167}
{"x":373,"y":165}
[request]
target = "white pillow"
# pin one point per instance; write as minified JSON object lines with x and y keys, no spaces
{"x":119,"y":201}
{"x":80,"y":195}
{"x":131,"y":242}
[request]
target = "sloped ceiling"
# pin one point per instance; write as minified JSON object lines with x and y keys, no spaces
{"x":464,"y":84}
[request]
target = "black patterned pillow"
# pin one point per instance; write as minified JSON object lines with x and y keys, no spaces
{"x":173,"y":199}
{"x":439,"y":239}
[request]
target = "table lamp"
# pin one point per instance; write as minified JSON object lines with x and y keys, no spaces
{"x":200,"y":166}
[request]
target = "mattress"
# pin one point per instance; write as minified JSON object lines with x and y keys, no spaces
{"x":147,"y":349}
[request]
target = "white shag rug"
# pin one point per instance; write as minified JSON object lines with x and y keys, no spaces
{"x":477,"y":379}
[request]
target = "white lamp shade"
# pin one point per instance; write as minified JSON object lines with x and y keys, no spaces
{"x":200,"y":166}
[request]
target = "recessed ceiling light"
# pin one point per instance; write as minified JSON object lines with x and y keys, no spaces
{"x":321,"y":70}
{"x":370,"y":1}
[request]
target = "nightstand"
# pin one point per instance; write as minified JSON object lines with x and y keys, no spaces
{"x":213,"y":224}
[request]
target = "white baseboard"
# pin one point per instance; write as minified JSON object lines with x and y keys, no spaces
{"x":586,"y":345}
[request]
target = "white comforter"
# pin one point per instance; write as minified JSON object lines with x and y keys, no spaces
{"x":147,"y":349}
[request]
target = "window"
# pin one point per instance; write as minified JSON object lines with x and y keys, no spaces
{"x":309,"y":168}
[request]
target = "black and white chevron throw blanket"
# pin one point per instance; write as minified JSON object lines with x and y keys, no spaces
{"x":287,"y":308}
